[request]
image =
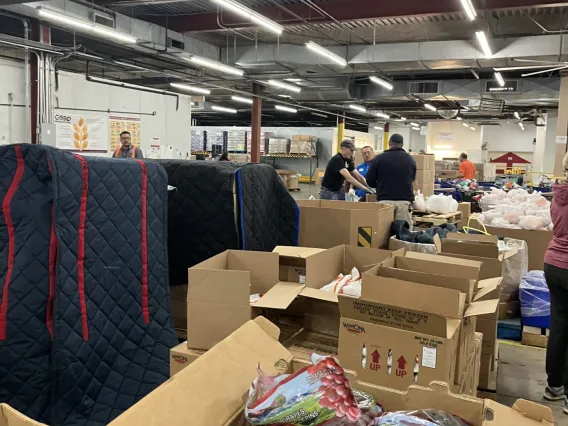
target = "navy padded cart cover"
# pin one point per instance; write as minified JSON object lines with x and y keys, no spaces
{"x":85,"y":324}
{"x":224,"y":205}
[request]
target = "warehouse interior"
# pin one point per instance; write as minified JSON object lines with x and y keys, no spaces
{"x":281,"y":88}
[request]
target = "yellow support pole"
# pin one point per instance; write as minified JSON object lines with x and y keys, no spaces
{"x":340,"y":130}
{"x":386,"y":137}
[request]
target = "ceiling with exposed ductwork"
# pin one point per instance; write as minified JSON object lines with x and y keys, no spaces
{"x":427,"y":50}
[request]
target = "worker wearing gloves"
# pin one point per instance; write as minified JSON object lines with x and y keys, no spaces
{"x":393,"y":173}
{"x":341,"y":168}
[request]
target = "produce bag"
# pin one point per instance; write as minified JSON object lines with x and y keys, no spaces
{"x":514,"y":267}
{"x":349,"y":284}
{"x":420,"y":418}
{"x":419,"y":203}
{"x":441,"y":204}
{"x":311,"y":396}
{"x":535,"y":300}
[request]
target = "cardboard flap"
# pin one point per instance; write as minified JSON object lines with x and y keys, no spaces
{"x":471,"y":248}
{"x":486,"y":287}
{"x":396,"y":317}
{"x":323,"y":267}
{"x":301,"y":252}
{"x":481,"y":308}
{"x":510,"y":253}
{"x":314,"y":293}
{"x":263,"y":268}
{"x":11,"y":417}
{"x":523,"y":413}
{"x":481,"y":238}
{"x":280,"y":296}
{"x":435,"y":264}
{"x":218,"y":287}
{"x":212,"y":389}
{"x":420,"y":297}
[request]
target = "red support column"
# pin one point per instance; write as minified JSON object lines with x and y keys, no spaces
{"x":256,"y":122}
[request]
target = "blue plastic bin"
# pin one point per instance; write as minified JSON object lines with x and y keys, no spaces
{"x":535,"y":300}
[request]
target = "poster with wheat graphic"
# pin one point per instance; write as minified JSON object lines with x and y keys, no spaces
{"x":82,"y":132}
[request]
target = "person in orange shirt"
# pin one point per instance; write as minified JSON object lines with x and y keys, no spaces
{"x":467,"y":169}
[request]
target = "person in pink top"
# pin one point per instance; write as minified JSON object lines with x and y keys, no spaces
{"x":556,"y":274}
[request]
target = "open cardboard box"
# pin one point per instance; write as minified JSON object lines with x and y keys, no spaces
{"x":212,"y":391}
{"x":480,"y":248}
{"x":327,"y":224}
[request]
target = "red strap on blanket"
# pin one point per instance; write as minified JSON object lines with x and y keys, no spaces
{"x":11,"y":238}
{"x":52,"y":260}
{"x":145,"y":312}
{"x":81,"y":248}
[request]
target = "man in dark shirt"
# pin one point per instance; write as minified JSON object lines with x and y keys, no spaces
{"x":340,"y":169}
{"x":393,"y":173}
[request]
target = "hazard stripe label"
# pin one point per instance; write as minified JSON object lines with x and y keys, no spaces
{"x":364,"y":236}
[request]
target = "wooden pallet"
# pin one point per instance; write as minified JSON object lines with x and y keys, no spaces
{"x":434,"y":219}
{"x":293,"y":189}
{"x":534,"y":336}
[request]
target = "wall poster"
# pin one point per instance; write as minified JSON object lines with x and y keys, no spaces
{"x":121,"y":124}
{"x":85,"y":132}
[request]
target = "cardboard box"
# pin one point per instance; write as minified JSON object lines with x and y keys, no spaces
{"x":426,"y":189}
{"x":537,"y":242}
{"x":327,"y":224}
{"x":318,"y":176}
{"x":489,"y":329}
{"x":424,"y":177}
{"x":181,"y":356}
{"x":424,"y":161}
{"x":178,"y":299}
{"x":306,"y":342}
{"x":463,"y":268}
{"x":219,"y":290}
{"x":477,"y":365}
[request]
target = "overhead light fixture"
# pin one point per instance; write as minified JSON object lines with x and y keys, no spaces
{"x":484,"y":44}
{"x":285,"y":109}
{"x":280,"y":85}
{"x":215,"y":65}
{"x":85,"y":26}
{"x":378,"y":128}
{"x":189,"y":88}
{"x":414,"y":124}
{"x":459,"y":118}
{"x":472,"y":128}
{"x":119,"y":83}
{"x":245,"y":12}
{"x":469,"y":9}
{"x":358,"y":108}
{"x":135,"y":67}
{"x":88,"y":56}
{"x":517,"y":115}
{"x":285,"y":96}
{"x":294,"y":80}
{"x":382,"y":115}
{"x":430,"y":107}
{"x":415,"y":128}
{"x":465,"y":125}
{"x":545,"y":71}
{"x":499,"y":79}
{"x":317,"y":114}
{"x":529,"y":67}
{"x":381,"y":82}
{"x":521,"y":126}
{"x":327,"y":53}
{"x":402,"y":118}
{"x":223,"y":109}
{"x":241,"y":99}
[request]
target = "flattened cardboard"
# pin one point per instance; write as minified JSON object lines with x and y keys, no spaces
{"x":280,"y":296}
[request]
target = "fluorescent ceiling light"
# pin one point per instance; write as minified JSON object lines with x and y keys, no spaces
{"x":294,"y":80}
{"x":382,"y":115}
{"x":280,"y":85}
{"x":484,"y":44}
{"x":327,"y":53}
{"x":381,"y":82}
{"x":499,"y":79}
{"x":430,"y":107}
{"x":358,"y":108}
{"x":378,"y":128}
{"x":241,"y":99}
{"x":517,"y":116}
{"x":223,"y":109}
{"x":465,"y":125}
{"x":189,"y":88}
{"x":88,"y":56}
{"x":528,"y":67}
{"x":521,"y":126}
{"x":286,"y":109}
{"x":245,"y":12}
{"x":285,"y":96}
{"x":109,"y":33}
{"x":469,"y":9}
{"x":414,"y":124}
{"x":472,"y":128}
{"x":415,"y":128}
{"x":119,"y":83}
{"x":459,"y":118}
{"x":215,"y":65}
{"x":402,"y":118}
{"x":125,"y":64}
{"x":317,"y":114}
{"x":85,"y":26}
{"x":544,"y":71}
{"x":443,"y":147}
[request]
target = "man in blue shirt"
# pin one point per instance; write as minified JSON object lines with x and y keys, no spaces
{"x":368,"y":156}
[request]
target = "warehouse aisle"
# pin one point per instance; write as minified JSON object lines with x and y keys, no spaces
{"x":521,"y":375}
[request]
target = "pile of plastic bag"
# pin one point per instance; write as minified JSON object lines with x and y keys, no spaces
{"x":322,"y":394}
{"x":349,"y":284}
{"x":535,"y":300}
{"x":516,"y":209}
{"x":441,"y":204}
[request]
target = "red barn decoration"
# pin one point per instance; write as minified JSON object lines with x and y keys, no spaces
{"x":510,"y":159}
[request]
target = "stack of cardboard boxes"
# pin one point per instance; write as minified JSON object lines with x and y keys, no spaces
{"x":290,"y":178}
{"x":303,"y":144}
{"x":425,"y":173}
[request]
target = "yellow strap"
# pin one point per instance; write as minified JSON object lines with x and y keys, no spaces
{"x":468,"y":228}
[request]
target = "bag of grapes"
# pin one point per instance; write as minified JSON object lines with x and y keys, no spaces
{"x":315,"y":395}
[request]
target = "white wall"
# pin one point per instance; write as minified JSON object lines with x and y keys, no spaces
{"x":12,"y":81}
{"x":448,"y":139}
{"x":508,"y":137}
{"x":171,"y":126}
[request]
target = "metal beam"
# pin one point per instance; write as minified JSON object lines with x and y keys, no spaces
{"x":341,"y":10}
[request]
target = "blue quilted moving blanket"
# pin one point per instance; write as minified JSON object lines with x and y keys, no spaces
{"x":85,"y":324}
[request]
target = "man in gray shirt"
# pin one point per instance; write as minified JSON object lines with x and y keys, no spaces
{"x":127,"y":150}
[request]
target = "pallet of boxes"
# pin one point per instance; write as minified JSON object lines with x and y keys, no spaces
{"x":303,"y":145}
{"x":484,"y":249}
{"x":425,"y":173}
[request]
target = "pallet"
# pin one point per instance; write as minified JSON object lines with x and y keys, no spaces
{"x":534,"y":336}
{"x":294,"y":189}
{"x":434,"y":219}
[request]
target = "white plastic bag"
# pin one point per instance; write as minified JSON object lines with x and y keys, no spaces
{"x":419,"y":203}
{"x":531,"y":223}
{"x":441,"y":204}
{"x":349,"y":285}
{"x":350,"y":196}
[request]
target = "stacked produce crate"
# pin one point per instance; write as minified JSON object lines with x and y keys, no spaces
{"x":277,"y":146}
{"x":425,"y":173}
{"x":263,"y":136}
{"x":303,"y":144}
{"x":215,"y":142}
{"x":236,"y":141}
{"x":198,"y":138}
